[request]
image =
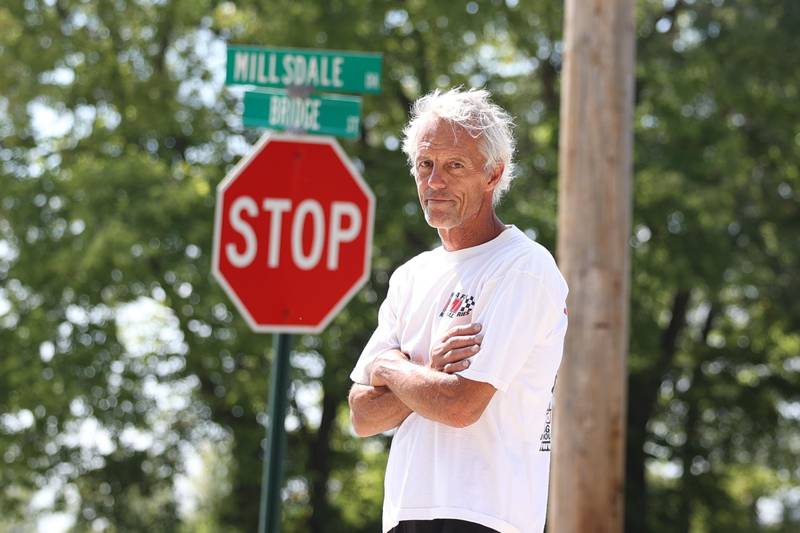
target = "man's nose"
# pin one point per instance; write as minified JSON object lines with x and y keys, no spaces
{"x":435,"y":180}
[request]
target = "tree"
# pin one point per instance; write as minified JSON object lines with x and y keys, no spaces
{"x":712,"y":190}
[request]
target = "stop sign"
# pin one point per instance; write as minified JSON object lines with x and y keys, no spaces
{"x":293,"y":233}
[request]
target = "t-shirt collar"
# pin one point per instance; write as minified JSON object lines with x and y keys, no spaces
{"x":465,"y":253}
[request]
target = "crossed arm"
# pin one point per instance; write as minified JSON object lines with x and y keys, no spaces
{"x":399,"y":387}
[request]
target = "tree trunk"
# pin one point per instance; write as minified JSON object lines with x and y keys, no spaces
{"x":594,"y":227}
{"x":644,"y":394}
{"x":241,"y":506}
{"x":690,"y":448}
{"x":319,"y":464}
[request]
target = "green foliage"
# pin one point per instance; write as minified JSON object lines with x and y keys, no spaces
{"x":122,"y":362}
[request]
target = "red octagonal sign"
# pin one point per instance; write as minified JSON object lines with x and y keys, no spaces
{"x":293,"y":233}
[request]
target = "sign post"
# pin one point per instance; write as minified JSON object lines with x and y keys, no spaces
{"x":269,"y":511}
{"x":293,"y":226}
{"x":292,"y":245}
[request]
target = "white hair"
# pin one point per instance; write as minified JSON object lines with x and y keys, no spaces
{"x":483,"y":120}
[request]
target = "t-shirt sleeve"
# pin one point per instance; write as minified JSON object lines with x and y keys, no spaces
{"x":520,"y":311}
{"x":385,"y":337}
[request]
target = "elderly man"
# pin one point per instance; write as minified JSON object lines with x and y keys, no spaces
{"x":469,"y":339}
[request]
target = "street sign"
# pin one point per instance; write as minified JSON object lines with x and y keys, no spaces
{"x":293,"y":223}
{"x":293,"y":233}
{"x":323,"y":114}
{"x":323,"y":70}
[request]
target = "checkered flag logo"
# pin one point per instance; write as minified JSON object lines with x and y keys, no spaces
{"x":458,"y":304}
{"x":466,"y":306}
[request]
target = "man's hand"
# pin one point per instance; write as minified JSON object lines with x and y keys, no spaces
{"x":449,"y":355}
{"x":433,"y":390}
{"x":374,"y":410}
{"x":452,"y":353}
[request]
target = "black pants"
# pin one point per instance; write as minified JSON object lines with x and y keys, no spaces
{"x":440,"y":525}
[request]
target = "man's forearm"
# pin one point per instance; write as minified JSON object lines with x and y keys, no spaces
{"x":374,"y":410}
{"x":435,"y":395}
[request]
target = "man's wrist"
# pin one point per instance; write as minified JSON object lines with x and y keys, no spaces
{"x":375,"y":378}
{"x":374,"y":370}
{"x":378,"y":367}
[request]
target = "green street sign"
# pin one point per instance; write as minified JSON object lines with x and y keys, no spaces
{"x":323,"y":70}
{"x":320,"y":114}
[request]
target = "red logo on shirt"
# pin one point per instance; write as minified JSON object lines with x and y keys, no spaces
{"x":458,"y":304}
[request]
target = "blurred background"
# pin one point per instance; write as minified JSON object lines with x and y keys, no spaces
{"x":133,"y":395}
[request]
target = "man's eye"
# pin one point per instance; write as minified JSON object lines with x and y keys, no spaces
{"x":456,"y":164}
{"x":424,"y":164}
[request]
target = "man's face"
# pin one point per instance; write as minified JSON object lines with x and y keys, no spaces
{"x":453,"y":186}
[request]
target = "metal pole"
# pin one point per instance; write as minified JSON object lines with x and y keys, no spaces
{"x":269,"y":515}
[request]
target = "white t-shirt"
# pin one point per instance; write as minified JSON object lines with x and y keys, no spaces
{"x":494,"y":472}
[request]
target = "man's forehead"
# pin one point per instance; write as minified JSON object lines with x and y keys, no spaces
{"x":439,"y":132}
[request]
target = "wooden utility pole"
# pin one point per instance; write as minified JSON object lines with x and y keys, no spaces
{"x":594,"y":221}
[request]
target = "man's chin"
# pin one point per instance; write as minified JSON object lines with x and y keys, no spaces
{"x":439,"y":220}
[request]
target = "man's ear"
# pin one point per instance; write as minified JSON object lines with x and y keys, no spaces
{"x":495,"y":174}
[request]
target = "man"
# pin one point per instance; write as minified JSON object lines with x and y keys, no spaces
{"x":469,"y":339}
